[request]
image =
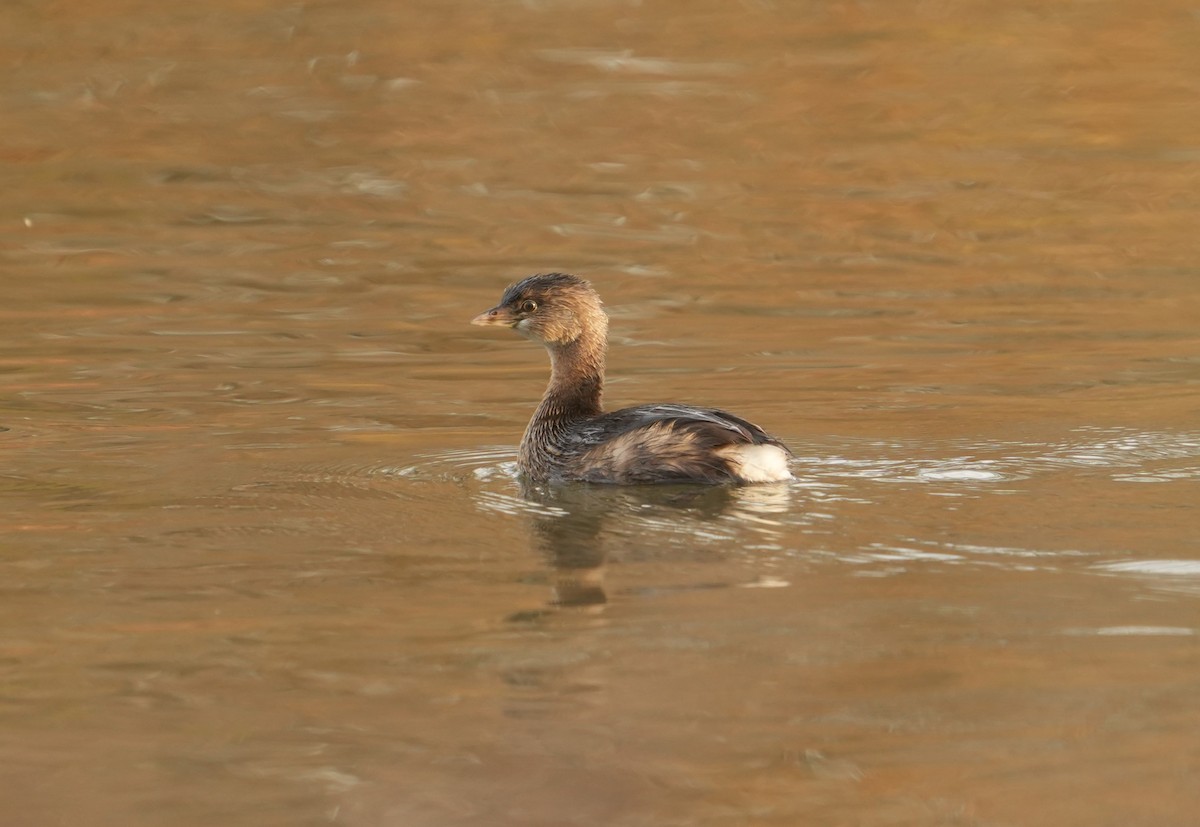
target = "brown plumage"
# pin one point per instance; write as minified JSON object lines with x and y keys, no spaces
{"x":571,"y":438}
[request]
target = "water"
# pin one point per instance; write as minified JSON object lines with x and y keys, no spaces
{"x":266,"y":558}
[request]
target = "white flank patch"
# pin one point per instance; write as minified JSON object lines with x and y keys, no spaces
{"x":758,"y":463}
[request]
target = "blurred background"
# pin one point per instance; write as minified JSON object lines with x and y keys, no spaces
{"x":266,"y":557}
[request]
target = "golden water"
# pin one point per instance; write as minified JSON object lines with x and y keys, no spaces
{"x":265,"y":558}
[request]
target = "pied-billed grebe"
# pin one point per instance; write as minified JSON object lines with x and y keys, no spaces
{"x":571,"y":438}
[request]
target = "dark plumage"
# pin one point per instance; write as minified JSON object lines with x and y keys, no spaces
{"x":571,"y":438}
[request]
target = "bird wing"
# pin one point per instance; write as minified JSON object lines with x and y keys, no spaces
{"x":722,"y":427}
{"x":663,"y":443}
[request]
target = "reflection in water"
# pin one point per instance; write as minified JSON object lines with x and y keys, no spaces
{"x":577,"y":527}
{"x":570,"y":541}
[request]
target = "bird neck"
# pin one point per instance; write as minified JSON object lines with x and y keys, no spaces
{"x":573,"y":396}
{"x":576,"y":379}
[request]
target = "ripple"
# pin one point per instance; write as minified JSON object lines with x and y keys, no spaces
{"x":765,"y":582}
{"x":1005,"y":551}
{"x":483,"y":463}
{"x":1117,"y":449}
{"x":957,"y":469}
{"x":1134,"y":631}
{"x":514,"y":505}
{"x":1172,"y":475}
{"x":961,"y":475}
{"x":1167,"y":568}
{"x":877,"y":552}
{"x":625,"y":61}
{"x":1122,"y":448}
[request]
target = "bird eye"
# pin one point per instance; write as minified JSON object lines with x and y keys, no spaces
{"x":528,"y":306}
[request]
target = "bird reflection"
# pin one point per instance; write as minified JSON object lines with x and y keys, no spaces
{"x":577,"y":527}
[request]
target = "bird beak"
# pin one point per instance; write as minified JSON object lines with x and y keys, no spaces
{"x":499,"y":316}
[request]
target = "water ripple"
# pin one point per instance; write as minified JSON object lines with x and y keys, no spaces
{"x":1135,"y":631}
{"x":483,"y":463}
{"x":1160,"y":568}
{"x":1116,"y":449}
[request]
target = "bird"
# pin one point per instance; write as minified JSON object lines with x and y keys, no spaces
{"x":570,"y":438}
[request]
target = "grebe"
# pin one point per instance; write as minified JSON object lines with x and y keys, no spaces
{"x":571,"y":438}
